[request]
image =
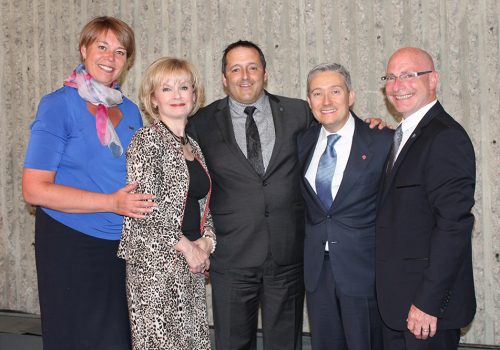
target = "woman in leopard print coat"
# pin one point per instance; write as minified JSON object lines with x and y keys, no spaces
{"x":165,"y":280}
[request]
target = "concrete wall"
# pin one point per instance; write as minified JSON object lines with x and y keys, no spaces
{"x":38,"y":49}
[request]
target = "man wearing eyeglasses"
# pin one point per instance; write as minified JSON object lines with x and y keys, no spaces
{"x":424,"y":279}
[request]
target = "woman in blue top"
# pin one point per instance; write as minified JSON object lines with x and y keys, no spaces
{"x":75,"y":172}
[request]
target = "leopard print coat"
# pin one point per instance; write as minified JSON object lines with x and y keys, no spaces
{"x":167,"y":303}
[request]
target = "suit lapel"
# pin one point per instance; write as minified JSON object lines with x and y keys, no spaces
{"x":435,"y":110}
{"x":309,"y":145}
{"x":225,"y":125}
{"x":310,"y":140}
{"x":279,"y":128}
{"x":359,"y":159}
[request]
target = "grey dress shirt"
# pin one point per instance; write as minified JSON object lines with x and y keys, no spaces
{"x":265,"y":124}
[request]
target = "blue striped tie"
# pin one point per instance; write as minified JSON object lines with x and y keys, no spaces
{"x":326,"y":169}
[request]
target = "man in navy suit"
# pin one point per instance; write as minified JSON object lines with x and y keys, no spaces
{"x":425,"y":286}
{"x":342,"y":162}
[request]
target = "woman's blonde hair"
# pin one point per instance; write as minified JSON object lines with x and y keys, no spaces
{"x":155,"y":76}
{"x":101,"y":25}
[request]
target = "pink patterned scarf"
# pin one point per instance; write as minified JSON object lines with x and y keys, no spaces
{"x":103,"y":97}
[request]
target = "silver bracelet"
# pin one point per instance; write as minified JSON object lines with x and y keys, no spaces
{"x":209,"y":234}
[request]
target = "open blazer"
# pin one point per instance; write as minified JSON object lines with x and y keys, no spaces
{"x":156,"y":162}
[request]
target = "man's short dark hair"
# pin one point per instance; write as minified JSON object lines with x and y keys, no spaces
{"x":242,"y":43}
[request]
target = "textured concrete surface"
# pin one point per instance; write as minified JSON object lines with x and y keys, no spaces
{"x":38,"y":49}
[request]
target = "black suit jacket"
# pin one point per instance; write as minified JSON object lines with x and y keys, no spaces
{"x":254,"y":216}
{"x":424,"y":226}
{"x":349,"y":225}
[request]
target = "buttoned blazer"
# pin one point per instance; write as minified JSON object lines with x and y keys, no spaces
{"x":155,"y":161}
{"x":424,"y":226}
{"x":253,"y":215}
{"x":349,"y":224}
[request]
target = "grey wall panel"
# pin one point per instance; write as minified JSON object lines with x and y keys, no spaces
{"x":39,"y":48}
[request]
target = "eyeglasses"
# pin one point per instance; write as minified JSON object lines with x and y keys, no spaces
{"x":403,"y":76}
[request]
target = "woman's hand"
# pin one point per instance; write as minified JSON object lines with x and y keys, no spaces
{"x":197,"y":259}
{"x":135,"y":205}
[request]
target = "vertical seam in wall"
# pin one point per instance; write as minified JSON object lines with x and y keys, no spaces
{"x":302,"y":47}
{"x":208,"y":60}
{"x":46,"y":39}
{"x":372,"y":76}
{"x":425,"y":23}
{"x":178,"y":27}
{"x":36,"y":53}
{"x":163,"y":24}
{"x":6,"y":30}
{"x":388,"y":30}
{"x":407,"y":24}
{"x":138,"y":55}
{"x":23,"y":86}
{"x":194,"y":33}
{"x":443,"y":47}
{"x":318,"y":33}
{"x":486,"y":224}
{"x":353,"y":47}
{"x":60,"y":76}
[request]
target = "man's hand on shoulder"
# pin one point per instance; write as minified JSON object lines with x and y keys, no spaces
{"x":376,"y":122}
{"x":419,"y":323}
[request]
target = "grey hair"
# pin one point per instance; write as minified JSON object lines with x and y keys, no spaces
{"x":329,"y":67}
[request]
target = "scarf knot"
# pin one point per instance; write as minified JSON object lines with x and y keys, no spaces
{"x":103,"y":97}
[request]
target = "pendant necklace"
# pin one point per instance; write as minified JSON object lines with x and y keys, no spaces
{"x":183,"y":140}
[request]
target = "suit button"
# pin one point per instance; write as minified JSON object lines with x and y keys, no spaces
{"x":328,"y":216}
{"x":266,"y":214}
{"x":264,"y":183}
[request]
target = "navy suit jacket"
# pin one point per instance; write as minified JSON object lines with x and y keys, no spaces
{"x":349,"y":225}
{"x":254,"y":216}
{"x":424,"y":226}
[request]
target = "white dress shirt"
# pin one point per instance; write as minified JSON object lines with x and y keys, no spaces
{"x":343,"y":150}
{"x":409,"y":124}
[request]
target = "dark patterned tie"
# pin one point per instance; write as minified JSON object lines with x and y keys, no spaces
{"x":396,"y":142}
{"x":254,"y":151}
{"x":326,"y":169}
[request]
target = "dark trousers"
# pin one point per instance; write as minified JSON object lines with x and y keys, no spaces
{"x":446,"y":339}
{"x":339,"y":321}
{"x":237,"y":295}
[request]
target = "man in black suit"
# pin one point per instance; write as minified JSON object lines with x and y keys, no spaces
{"x":340,"y":198}
{"x":249,"y":142}
{"x":425,"y":286}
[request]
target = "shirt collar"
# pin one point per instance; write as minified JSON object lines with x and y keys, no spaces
{"x":344,"y":132}
{"x":240,"y":107}
{"x":411,"y":122}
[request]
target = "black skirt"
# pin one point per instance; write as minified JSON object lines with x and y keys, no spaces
{"x":81,"y":286}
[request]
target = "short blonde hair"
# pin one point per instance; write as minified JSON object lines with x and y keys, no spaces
{"x":100,"y":25}
{"x":155,"y":76}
